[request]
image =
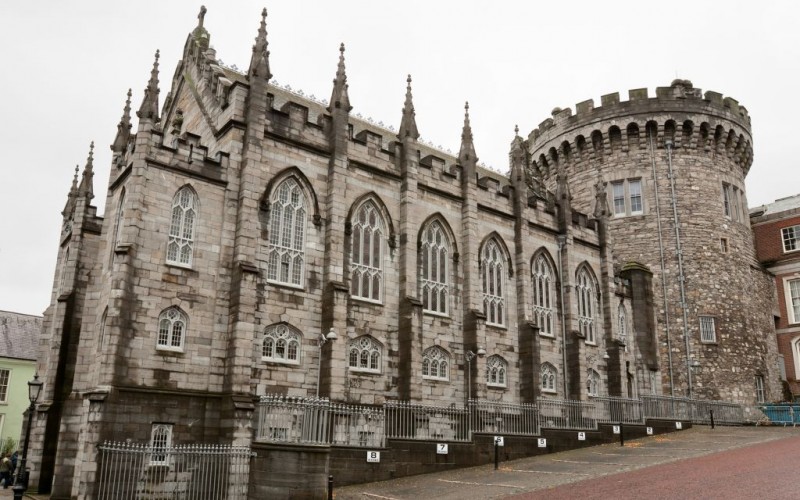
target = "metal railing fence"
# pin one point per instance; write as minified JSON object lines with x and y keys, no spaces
{"x":186,"y":472}
{"x":357,"y":425}
{"x":611,"y":409}
{"x":566,"y":414}
{"x":496,"y":417}
{"x":667,"y":407}
{"x":406,"y":420}
{"x":724,"y":413}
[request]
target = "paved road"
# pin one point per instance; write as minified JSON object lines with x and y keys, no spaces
{"x":727,"y":462}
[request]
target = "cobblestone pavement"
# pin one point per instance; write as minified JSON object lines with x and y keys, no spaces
{"x":557,"y":469}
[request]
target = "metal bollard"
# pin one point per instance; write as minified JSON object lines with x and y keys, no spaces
{"x":621,"y":434}
{"x":330,"y":487}
{"x":495,"y":455}
{"x":712,"y":418}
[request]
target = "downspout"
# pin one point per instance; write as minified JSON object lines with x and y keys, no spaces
{"x":681,"y":276}
{"x":562,"y":241}
{"x":663,"y":268}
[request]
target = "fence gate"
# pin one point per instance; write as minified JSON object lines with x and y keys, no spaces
{"x":186,"y":472}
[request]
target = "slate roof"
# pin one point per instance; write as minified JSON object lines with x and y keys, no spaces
{"x":777,"y":207}
{"x":19,"y":335}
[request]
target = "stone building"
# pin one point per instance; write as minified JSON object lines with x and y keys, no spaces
{"x":245,"y":223}
{"x":777,"y":235}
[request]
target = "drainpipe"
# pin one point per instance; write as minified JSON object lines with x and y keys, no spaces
{"x":681,"y":276}
{"x":562,"y":241}
{"x":663,"y":269}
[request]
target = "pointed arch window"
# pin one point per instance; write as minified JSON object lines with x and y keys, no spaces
{"x":434,"y":269}
{"x":172,"y":329}
{"x":287,"y":234}
{"x":366,"y":280}
{"x":364,"y":355}
{"x":160,"y":444}
{"x":492,"y":279}
{"x":587,"y":304}
{"x":593,"y":383}
{"x":281,"y":344}
{"x":496,"y":371}
{"x":543,"y":295}
{"x":435,"y":364}
{"x":622,"y":324}
{"x":548,"y":378}
{"x":181,"y":229}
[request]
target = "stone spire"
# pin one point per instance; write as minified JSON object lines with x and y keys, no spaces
{"x":123,"y":128}
{"x":517,"y":156}
{"x":86,"y":188}
{"x":339,"y":97}
{"x":149,"y":108}
{"x":467,"y":152}
{"x":408,"y":125}
{"x":259,"y":62}
{"x":72,"y":195}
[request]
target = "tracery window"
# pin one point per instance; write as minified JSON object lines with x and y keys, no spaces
{"x":287,"y":231}
{"x":593,"y":383}
{"x":181,"y":229}
{"x":587,"y":304}
{"x":160,"y":444}
{"x":367,"y":253}
{"x":435,"y":364}
{"x":281,"y":344}
{"x":543,"y":295}
{"x":548,"y":378}
{"x":492,"y":282}
{"x":364,"y":355}
{"x":496,"y":370}
{"x":171,"y":329}
{"x":434,"y":258}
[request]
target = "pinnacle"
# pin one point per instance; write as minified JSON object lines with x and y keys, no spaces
{"x":408,"y":124}
{"x":149,"y":107}
{"x":467,"y":152}
{"x":339,"y":96}
{"x":259,"y":62}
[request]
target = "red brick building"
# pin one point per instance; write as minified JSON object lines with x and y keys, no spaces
{"x":777,"y":238}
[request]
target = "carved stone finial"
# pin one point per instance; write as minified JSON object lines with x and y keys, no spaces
{"x":149,"y":108}
{"x":339,"y":96}
{"x":467,"y":151}
{"x":201,"y":16}
{"x":408,"y":123}
{"x":259,"y":62}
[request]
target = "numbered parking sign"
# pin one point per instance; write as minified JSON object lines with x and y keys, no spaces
{"x":373,"y":457}
{"x":581,"y":436}
{"x":679,"y":425}
{"x":649,"y":431}
{"x":542,"y":442}
{"x":616,"y":429}
{"x":499,"y":441}
{"x":441,"y":449}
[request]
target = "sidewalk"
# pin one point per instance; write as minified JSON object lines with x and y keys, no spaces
{"x":547,"y":471}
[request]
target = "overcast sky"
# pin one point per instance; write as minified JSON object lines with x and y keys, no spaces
{"x":68,"y":65}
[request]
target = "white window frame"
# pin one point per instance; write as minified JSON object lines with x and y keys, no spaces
{"x":160,"y":444}
{"x":493,"y":283}
{"x":627,"y":197}
{"x":287,"y":234}
{"x":435,"y":269}
{"x":435,"y":364}
{"x":496,"y":372}
{"x":791,"y":289}
{"x":367,"y":225}
{"x":586,"y":289}
{"x":5,"y":383}
{"x":277,"y":335}
{"x":761,"y":394}
{"x":708,"y":329}
{"x":182,"y":227}
{"x":548,"y":378}
{"x":796,"y":357}
{"x":374,"y":355}
{"x":790,"y":238}
{"x":173,"y":316}
{"x":593,"y":383}
{"x":543,"y":283}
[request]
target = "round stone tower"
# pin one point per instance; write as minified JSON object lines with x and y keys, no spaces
{"x":673,"y":167}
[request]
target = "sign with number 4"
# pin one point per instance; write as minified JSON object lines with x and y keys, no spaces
{"x":373,"y":457}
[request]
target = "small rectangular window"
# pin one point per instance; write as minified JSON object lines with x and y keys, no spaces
{"x":708,"y":331}
{"x":635,"y":190}
{"x":726,"y":199}
{"x":626,"y":197}
{"x":618,"y":190}
{"x":5,"y":375}
{"x":791,"y":238}
{"x":723,"y":245}
{"x":760,"y":393}
{"x":793,"y":299}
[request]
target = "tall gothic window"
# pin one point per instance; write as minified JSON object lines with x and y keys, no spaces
{"x":492,"y":282}
{"x":434,"y":258}
{"x":171,"y":329}
{"x":364,"y":355}
{"x":367,"y":249}
{"x":281,"y":344}
{"x":543,"y":295}
{"x":181,"y":228}
{"x":587,"y":304}
{"x":435,"y":364}
{"x":287,"y":231}
{"x":548,"y":378}
{"x":496,"y":371}
{"x":622,"y":324}
{"x":160,"y":444}
{"x":593,"y":383}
